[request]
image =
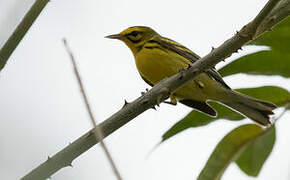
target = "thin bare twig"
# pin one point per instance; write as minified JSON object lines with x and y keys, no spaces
{"x":98,"y":131}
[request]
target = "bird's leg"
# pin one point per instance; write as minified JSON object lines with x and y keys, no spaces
{"x":173,"y":100}
{"x":182,"y":70}
{"x":164,"y":93}
{"x":185,"y":68}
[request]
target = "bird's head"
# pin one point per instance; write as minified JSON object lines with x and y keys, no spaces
{"x":134,"y":37}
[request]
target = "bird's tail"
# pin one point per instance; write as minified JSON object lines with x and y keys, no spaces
{"x":255,"y":109}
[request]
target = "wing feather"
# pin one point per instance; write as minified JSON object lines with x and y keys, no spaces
{"x":189,"y":55}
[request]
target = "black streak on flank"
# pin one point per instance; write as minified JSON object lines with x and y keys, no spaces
{"x":157,"y":46}
{"x":153,"y":41}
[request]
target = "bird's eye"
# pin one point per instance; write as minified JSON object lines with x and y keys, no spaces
{"x":134,"y":36}
{"x":134,"y":33}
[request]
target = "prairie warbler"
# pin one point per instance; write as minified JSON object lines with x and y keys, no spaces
{"x":157,"y":57}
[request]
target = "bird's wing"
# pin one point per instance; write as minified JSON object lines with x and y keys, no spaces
{"x":189,"y":55}
{"x":178,"y":48}
{"x":216,"y":76}
{"x":201,"y":106}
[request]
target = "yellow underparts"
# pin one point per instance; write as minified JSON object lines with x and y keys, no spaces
{"x":155,"y":64}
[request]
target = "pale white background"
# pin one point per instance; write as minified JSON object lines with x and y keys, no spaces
{"x":41,"y":107}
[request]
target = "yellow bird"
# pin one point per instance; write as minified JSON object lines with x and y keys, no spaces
{"x":157,"y":58}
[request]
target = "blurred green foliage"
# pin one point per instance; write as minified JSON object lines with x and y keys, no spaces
{"x":248,"y":145}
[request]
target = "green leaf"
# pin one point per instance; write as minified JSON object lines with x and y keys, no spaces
{"x":229,"y":149}
{"x":196,"y":119}
{"x":20,"y":31}
{"x":278,"y":39}
{"x":260,"y":63}
{"x":273,"y":62}
{"x":274,"y":94}
{"x":253,"y":158}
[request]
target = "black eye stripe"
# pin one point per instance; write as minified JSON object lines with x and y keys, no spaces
{"x":133,"y":33}
{"x":134,"y":41}
{"x":134,"y":36}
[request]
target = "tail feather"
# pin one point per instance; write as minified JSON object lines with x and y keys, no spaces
{"x":257,"y":110}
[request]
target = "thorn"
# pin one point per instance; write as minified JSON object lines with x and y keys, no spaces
{"x":153,"y":107}
{"x":212,"y":48}
{"x":240,"y":48}
{"x":242,"y":33}
{"x":48,"y":158}
{"x":142,"y":93}
{"x":69,"y":164}
{"x":125,"y":104}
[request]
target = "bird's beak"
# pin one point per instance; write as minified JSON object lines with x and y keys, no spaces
{"x":114,"y":36}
